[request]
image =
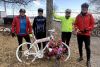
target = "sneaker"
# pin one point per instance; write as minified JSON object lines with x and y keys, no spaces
{"x":88,"y":64}
{"x":80,"y":59}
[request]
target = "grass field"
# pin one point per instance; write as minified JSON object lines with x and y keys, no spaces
{"x":8,"y":58}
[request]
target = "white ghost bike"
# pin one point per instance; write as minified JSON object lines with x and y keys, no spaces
{"x":33,"y":53}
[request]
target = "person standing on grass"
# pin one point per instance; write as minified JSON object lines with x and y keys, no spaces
{"x":21,"y":26}
{"x":84,"y":25}
{"x":66,"y":25}
{"x":39,"y":26}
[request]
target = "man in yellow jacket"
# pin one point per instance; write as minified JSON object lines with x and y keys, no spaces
{"x":66,"y":26}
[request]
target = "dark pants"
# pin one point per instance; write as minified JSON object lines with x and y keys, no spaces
{"x":39,"y":36}
{"x":86,"y":40}
{"x":20,"y":38}
{"x":66,"y":37}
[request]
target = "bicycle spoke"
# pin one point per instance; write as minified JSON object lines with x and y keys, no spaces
{"x":25,"y":55}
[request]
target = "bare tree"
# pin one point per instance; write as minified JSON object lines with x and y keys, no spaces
{"x":95,"y":3}
{"x":49,"y":12}
{"x":22,"y":2}
{"x":15,"y":3}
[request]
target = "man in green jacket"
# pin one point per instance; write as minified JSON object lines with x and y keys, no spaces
{"x":66,"y":26}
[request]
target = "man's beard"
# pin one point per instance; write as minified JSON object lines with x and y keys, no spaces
{"x":67,"y":17}
{"x":83,"y":13}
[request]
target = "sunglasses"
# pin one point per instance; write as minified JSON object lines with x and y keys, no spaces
{"x":68,"y":12}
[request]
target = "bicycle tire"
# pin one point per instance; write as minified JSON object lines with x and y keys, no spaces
{"x":98,"y":33}
{"x":68,"y":51}
{"x":65,"y":55}
{"x":25,"y":51}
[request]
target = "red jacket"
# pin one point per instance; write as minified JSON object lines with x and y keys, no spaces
{"x":16,"y":25}
{"x":84,"y":22}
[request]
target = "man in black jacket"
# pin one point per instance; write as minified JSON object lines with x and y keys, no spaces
{"x":39,"y":26}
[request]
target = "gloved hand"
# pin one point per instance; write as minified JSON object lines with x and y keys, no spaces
{"x":30,"y":35}
{"x":82,"y":31}
{"x":13,"y":34}
{"x":85,"y":30}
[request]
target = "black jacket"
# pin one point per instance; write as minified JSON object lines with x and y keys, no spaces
{"x":39,"y":25}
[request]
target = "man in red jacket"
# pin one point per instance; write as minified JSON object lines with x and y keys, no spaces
{"x":22,"y":27}
{"x":84,"y":24}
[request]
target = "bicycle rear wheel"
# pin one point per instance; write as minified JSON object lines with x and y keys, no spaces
{"x":66,"y":52}
{"x":26,"y":55}
{"x":98,"y":33}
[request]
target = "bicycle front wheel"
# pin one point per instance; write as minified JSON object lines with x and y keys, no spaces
{"x":26,"y":54}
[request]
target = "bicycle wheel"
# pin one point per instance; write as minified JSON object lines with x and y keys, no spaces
{"x":26,"y":55}
{"x":64,"y":56}
{"x":99,"y":33}
{"x":6,"y":31}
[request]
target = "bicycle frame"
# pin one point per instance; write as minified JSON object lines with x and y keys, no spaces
{"x":41,"y":41}
{"x":39,"y":53}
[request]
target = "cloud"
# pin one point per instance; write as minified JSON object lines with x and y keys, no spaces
{"x":37,"y":3}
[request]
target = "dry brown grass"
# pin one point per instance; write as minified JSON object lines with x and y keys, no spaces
{"x":8,"y":58}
